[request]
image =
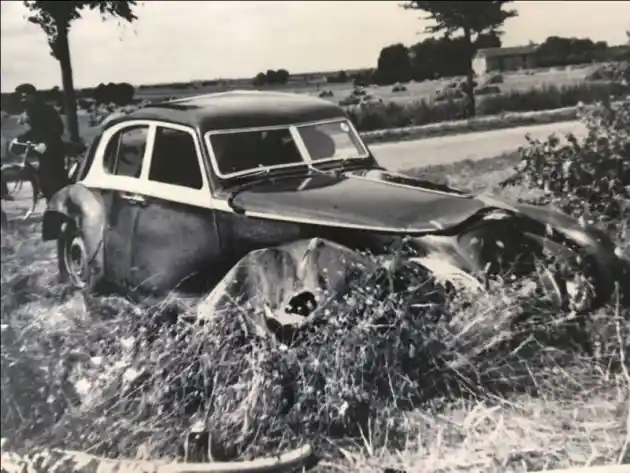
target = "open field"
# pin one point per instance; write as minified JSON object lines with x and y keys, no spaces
{"x":515,"y":81}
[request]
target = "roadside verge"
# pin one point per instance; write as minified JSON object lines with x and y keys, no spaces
{"x":491,"y":122}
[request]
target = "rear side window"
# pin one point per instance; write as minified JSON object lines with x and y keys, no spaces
{"x":125,"y":151}
{"x":175,"y":160}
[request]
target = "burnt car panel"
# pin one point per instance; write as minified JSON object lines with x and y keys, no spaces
{"x":122,"y":214}
{"x":172,"y":243}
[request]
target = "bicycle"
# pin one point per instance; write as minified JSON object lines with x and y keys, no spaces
{"x":15,"y":174}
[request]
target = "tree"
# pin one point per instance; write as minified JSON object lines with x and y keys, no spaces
{"x":559,"y":51}
{"x":55,"y":19}
{"x":260,"y":79}
{"x":471,"y":20}
{"x":282,"y":76}
{"x":394,"y":65}
{"x":123,"y":94}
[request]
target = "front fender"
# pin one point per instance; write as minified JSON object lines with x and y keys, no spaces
{"x":588,"y":237}
{"x":593,"y":242}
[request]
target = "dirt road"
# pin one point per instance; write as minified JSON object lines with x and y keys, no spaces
{"x":448,"y":149}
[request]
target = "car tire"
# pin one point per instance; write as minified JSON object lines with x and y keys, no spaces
{"x":75,"y":265}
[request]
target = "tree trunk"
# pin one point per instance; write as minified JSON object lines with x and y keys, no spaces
{"x":63,"y":56}
{"x":470,"y":89}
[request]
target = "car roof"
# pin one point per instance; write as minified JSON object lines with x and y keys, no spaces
{"x":240,"y":109}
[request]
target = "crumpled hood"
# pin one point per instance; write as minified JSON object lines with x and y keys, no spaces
{"x":355,"y":202}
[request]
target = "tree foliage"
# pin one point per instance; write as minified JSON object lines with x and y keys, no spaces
{"x":271,"y":77}
{"x":119,"y":94}
{"x":55,"y":18}
{"x":468,"y":19}
{"x":394,"y":65}
{"x":559,"y":51}
{"x":434,"y":58}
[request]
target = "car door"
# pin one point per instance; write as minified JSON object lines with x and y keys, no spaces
{"x":176,"y":242}
{"x":122,"y":164}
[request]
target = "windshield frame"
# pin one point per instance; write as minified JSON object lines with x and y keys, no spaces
{"x":297,"y":139}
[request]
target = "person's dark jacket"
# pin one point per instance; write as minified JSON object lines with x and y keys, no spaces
{"x":45,"y":125}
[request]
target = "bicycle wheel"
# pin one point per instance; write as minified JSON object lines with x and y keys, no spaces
{"x":13,"y":188}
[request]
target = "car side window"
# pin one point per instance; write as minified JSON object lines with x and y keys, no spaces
{"x":175,"y":160}
{"x":124,"y":153}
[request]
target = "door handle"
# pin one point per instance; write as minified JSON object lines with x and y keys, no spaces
{"x":135,"y":199}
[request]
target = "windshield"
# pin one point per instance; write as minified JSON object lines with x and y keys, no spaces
{"x":240,"y":152}
{"x":331,"y":140}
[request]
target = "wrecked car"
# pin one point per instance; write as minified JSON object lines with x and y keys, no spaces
{"x":173,"y":195}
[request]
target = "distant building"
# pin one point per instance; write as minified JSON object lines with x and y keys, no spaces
{"x":504,"y":59}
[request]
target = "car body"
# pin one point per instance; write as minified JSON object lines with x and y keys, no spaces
{"x":172,"y":195}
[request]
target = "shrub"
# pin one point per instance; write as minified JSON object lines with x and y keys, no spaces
{"x":589,"y":176}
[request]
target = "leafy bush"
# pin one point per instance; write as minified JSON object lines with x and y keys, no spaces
{"x":589,"y":175}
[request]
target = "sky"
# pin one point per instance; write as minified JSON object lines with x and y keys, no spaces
{"x":180,"y":41}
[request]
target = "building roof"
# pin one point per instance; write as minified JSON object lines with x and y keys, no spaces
{"x":240,"y":109}
{"x":513,"y":51}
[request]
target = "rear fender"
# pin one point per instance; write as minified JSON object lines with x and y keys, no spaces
{"x":78,"y":206}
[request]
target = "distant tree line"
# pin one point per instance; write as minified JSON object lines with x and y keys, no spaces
{"x":558,"y":51}
{"x":271,"y":77}
{"x":435,"y":58}
{"x":115,"y":93}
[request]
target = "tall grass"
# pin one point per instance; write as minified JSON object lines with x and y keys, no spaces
{"x":102,"y":376}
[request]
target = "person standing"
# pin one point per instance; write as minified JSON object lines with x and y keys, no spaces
{"x":45,"y":131}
